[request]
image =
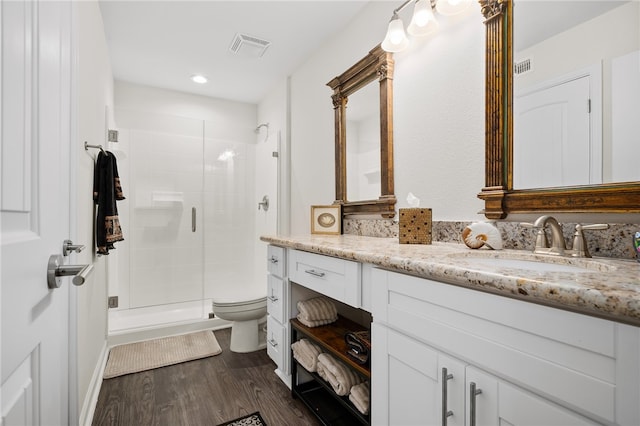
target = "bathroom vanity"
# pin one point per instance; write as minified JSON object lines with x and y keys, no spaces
{"x":462,"y":336}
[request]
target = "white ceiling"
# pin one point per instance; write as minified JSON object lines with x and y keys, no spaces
{"x":163,"y":43}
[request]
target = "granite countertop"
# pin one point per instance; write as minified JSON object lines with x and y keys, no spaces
{"x":607,"y":288}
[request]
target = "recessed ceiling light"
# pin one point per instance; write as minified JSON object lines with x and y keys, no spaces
{"x":200,"y":79}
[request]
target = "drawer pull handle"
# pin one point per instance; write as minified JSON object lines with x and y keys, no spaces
{"x":273,"y":259}
{"x":273,"y":298}
{"x":446,"y":413}
{"x":472,"y":403}
{"x":273,"y":343}
{"x":315,"y":273}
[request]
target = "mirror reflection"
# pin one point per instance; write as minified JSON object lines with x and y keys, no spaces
{"x":363,"y":143}
{"x":576,"y":93}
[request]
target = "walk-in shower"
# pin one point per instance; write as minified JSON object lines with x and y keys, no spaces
{"x":189,"y":220}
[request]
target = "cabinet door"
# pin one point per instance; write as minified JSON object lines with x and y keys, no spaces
{"x":406,"y":380}
{"x":498,"y":402}
{"x":277,"y":345}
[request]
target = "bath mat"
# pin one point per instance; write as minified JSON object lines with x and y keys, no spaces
{"x":251,"y":420}
{"x":150,"y":354}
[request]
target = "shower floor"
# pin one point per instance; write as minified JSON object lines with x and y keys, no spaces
{"x":152,"y":321}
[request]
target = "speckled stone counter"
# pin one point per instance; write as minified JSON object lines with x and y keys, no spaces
{"x":604,"y":288}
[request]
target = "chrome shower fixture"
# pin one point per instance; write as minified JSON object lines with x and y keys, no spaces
{"x":257,"y":130}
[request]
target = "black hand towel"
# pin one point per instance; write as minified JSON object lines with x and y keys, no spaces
{"x":106,"y":190}
{"x":358,"y":345}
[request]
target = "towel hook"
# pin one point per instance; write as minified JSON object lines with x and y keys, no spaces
{"x":87,"y":146}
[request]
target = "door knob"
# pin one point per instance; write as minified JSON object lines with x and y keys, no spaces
{"x":55,"y":270}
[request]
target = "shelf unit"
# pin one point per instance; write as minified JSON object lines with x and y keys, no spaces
{"x":317,"y":395}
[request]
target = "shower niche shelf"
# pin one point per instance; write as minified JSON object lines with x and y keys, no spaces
{"x":161,"y":200}
{"x":167,"y":197}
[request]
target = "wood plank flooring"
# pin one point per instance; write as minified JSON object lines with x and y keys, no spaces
{"x":208,"y":391}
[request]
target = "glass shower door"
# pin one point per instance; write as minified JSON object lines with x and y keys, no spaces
{"x":166,"y":169}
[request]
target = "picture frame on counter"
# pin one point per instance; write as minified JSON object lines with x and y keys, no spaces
{"x":326,"y":220}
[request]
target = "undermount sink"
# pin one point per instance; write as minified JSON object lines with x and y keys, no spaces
{"x":495,"y":260}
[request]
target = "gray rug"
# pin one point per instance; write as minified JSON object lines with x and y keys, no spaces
{"x":150,"y":354}
{"x":251,"y":420}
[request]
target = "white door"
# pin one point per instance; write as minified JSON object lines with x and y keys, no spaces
{"x":34,"y":203}
{"x":552,"y":136}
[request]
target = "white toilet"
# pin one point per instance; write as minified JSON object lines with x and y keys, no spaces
{"x":246,"y":309}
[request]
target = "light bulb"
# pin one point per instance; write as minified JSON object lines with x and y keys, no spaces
{"x":423,"y":22}
{"x":452,"y":7}
{"x":395,"y":40}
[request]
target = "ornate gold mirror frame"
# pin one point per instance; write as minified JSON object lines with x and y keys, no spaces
{"x":499,"y":196}
{"x":378,"y":64}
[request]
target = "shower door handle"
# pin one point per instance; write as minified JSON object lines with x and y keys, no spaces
{"x":193,"y":219}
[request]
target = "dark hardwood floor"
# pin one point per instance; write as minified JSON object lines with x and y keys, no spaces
{"x":208,"y":391}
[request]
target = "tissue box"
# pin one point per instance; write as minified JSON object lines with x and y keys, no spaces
{"x":415,"y":226}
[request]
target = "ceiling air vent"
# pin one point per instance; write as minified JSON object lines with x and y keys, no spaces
{"x":522,"y":67}
{"x":247,"y":45}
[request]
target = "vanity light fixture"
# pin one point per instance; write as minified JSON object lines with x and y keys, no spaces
{"x":452,"y":7}
{"x":423,"y":21}
{"x":200,"y":79}
{"x":396,"y":40}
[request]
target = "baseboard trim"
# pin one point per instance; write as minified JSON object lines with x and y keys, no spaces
{"x":91,"y":397}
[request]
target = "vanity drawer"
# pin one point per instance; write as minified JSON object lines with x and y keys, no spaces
{"x":337,"y":278}
{"x":276,"y":341}
{"x":276,"y":260}
{"x":275,"y":292}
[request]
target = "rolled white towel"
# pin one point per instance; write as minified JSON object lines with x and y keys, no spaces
{"x":340,"y":377}
{"x":317,"y":309}
{"x":306,"y":353}
{"x":316,"y":323}
{"x":359,"y":396}
{"x":322,"y":372}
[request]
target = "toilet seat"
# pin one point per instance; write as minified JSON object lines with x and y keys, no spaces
{"x":239,"y":303}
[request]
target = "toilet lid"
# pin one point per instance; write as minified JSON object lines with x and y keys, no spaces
{"x":241,"y":296}
{"x":258,"y":301}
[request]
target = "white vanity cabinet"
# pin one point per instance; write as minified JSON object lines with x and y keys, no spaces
{"x":533,"y":364}
{"x":278,"y":335}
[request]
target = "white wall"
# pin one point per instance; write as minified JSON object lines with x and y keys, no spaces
{"x":95,"y":93}
{"x":438,"y":115}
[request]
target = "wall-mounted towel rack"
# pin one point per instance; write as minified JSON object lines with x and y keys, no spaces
{"x":87,"y":146}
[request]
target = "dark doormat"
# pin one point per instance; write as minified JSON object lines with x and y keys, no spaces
{"x":249,"y":420}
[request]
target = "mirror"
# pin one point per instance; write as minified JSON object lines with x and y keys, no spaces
{"x":363,"y":113}
{"x":575,"y":115}
{"x":363,"y":148}
{"x":597,"y":182}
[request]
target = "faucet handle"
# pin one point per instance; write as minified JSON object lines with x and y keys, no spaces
{"x":579,"y":248}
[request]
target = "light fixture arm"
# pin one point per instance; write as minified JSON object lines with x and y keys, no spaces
{"x":402,"y":6}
